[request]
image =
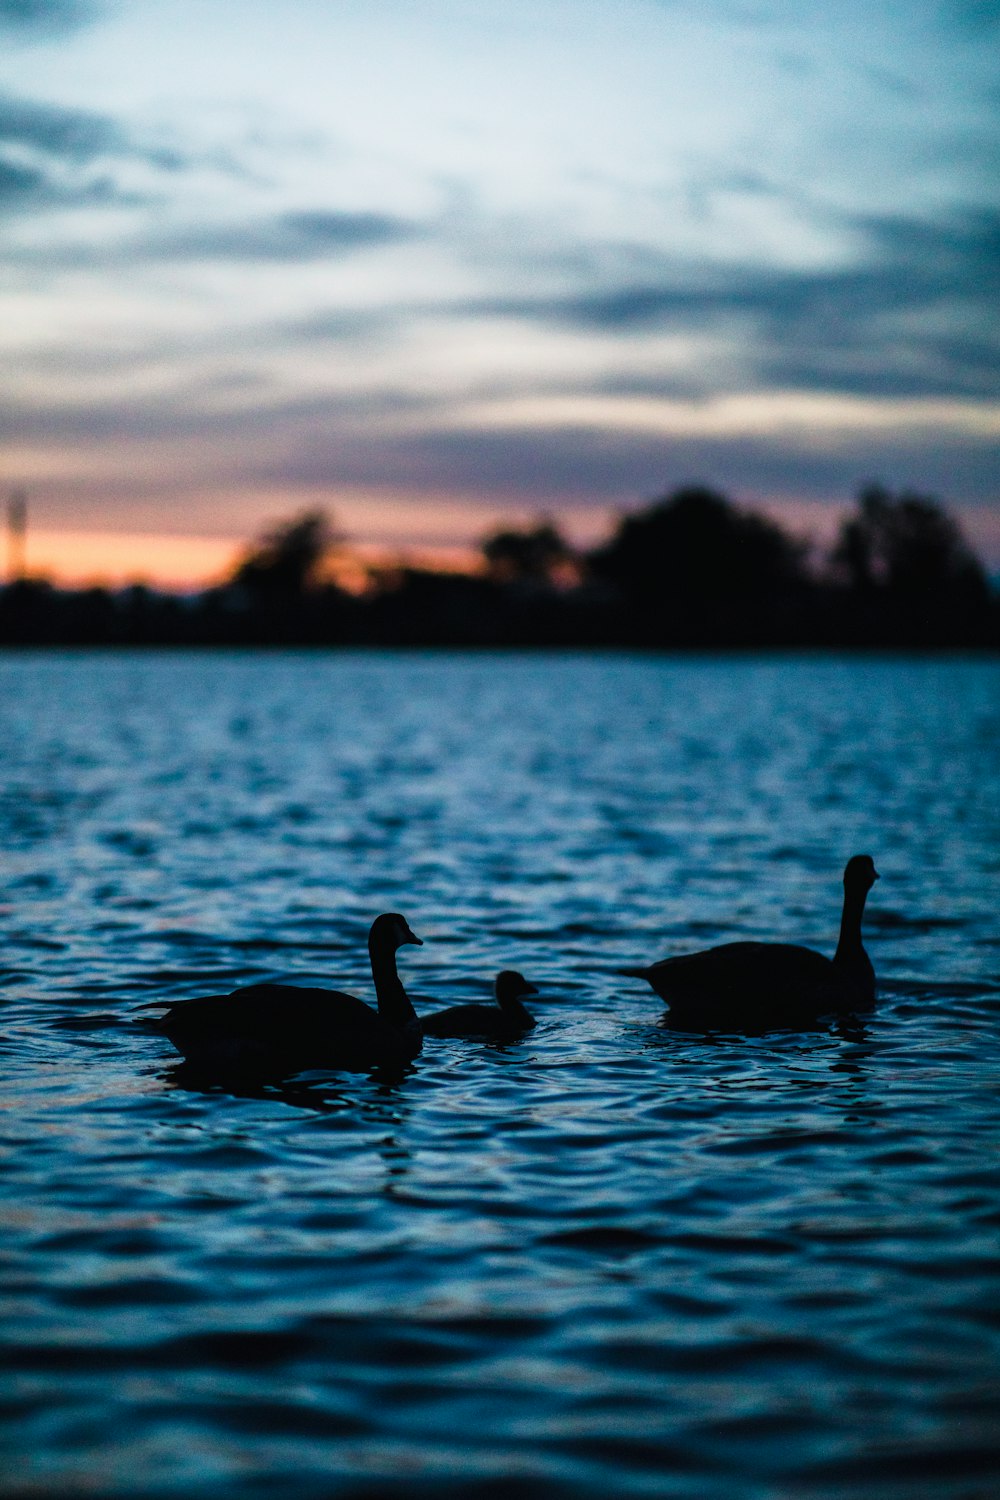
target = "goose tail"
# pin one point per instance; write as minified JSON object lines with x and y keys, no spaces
{"x":633,"y":973}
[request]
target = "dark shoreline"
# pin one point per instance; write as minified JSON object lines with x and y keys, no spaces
{"x":428,"y":611}
{"x":793,"y":652}
{"x":690,"y":573}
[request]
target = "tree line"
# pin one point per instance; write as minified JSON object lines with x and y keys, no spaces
{"x":691,"y":570}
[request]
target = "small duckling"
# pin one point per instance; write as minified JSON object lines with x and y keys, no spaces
{"x":503,"y":1021}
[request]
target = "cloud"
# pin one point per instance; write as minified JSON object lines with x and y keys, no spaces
{"x":180,"y":445}
{"x":31,"y":18}
{"x":72,"y":134}
{"x":19,"y":184}
{"x":54,"y":157}
{"x":301,"y":236}
{"x":312,"y":449}
{"x":602,"y":467}
{"x":340,"y":325}
{"x":913,"y":313}
{"x":915,"y":317}
{"x":31,"y":187}
{"x":976,"y":15}
{"x":292,"y":238}
{"x":382,"y":442}
{"x":49,"y":156}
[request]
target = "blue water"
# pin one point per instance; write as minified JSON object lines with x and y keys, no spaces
{"x":608,"y":1259}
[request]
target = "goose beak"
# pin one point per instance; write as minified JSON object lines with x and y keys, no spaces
{"x":411,"y":937}
{"x":530,"y":989}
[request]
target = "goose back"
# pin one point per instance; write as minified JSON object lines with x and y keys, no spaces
{"x":780,"y":983}
{"x":750,"y":979}
{"x":286,"y":1028}
{"x":283,"y":1028}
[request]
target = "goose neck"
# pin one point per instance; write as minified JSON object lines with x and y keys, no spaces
{"x":850,"y":943}
{"x":393,"y":1002}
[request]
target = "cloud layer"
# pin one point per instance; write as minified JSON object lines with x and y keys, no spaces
{"x":251,"y":296}
{"x":30,"y":18}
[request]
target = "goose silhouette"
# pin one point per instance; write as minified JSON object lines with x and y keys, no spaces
{"x":505,"y":1020}
{"x":285,"y":1028}
{"x":773,"y":981}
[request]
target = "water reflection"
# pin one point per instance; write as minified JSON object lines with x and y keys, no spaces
{"x":317,"y":1092}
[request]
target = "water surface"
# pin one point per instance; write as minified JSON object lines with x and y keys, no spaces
{"x":610,"y":1258}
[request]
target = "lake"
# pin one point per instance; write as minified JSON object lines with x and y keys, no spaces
{"x":611,"y":1258}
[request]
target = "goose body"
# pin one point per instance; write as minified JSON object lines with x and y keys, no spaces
{"x":284,"y":1028}
{"x":779,"y":982}
{"x":507,"y":1019}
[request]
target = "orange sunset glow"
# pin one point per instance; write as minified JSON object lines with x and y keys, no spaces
{"x":112,"y":559}
{"x":78,"y":559}
{"x":187,"y":562}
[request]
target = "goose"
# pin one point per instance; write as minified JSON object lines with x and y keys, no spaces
{"x":507,"y":1019}
{"x":284,"y":1028}
{"x":773,"y":981}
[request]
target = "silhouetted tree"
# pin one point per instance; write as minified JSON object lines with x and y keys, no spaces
{"x":911,"y":576}
{"x":533,"y":556}
{"x":697,"y":544}
{"x":908,"y":546}
{"x":691,"y":570}
{"x":288,"y":559}
{"x":695,"y":568}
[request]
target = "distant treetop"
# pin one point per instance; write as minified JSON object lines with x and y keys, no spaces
{"x":537,"y":555}
{"x":697,"y":544}
{"x":288,"y":558}
{"x":908,"y":546}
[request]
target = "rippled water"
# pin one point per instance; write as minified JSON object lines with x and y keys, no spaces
{"x":610,"y":1258}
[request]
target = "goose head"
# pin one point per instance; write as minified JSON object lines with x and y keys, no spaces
{"x":509,"y":986}
{"x":860,"y":874}
{"x":390,"y":931}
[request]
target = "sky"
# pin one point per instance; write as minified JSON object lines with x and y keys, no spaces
{"x":438,"y":265}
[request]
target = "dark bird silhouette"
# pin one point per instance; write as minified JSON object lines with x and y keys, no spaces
{"x":503,"y":1021}
{"x":279,"y":1029}
{"x":776,"y":982}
